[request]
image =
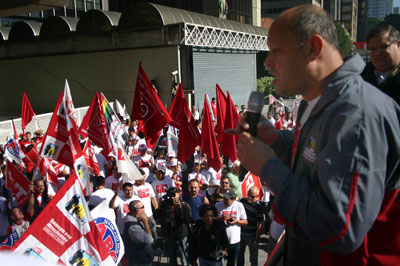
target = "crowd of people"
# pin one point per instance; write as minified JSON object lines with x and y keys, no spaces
{"x":330,"y":180}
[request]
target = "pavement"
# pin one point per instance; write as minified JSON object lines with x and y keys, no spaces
{"x":162,"y":260}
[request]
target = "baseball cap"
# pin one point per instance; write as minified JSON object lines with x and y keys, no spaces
{"x":171,"y":154}
{"x":174,"y":162}
{"x":229,"y":194}
{"x":197,"y":159}
{"x":161,"y":167}
{"x":142,"y":147}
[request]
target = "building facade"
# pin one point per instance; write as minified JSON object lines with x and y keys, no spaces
{"x":380,"y":8}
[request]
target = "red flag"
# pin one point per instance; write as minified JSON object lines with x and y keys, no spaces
{"x":228,"y":145}
{"x":65,"y":232}
{"x":221,"y":110}
{"x":18,"y":183}
{"x":272,"y":99}
{"x":189,"y":136}
{"x":47,"y":170}
{"x":209,"y":143}
{"x":61,"y":143}
{"x":251,"y":180}
{"x":148,"y":107}
{"x":26,"y":112}
{"x":15,"y":132}
{"x":94,"y":126}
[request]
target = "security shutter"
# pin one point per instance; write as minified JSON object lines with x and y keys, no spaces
{"x":234,"y":72}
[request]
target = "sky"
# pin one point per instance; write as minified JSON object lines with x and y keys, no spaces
{"x":396,"y":3}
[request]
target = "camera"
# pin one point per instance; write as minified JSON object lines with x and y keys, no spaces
{"x":218,"y":254}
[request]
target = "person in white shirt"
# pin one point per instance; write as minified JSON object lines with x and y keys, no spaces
{"x":122,"y":203}
{"x":143,"y":159}
{"x":102,"y":193}
{"x":146,"y":193}
{"x":196,"y":174}
{"x":234,"y":215}
{"x":211,"y":176}
{"x":162,"y":182}
{"x":114,"y":180}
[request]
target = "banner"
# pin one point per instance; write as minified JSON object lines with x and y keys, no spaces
{"x":18,"y":183}
{"x":104,"y":218}
{"x":91,"y":161}
{"x":13,"y":152}
{"x":249,"y":181}
{"x":10,"y":241}
{"x":64,"y":232}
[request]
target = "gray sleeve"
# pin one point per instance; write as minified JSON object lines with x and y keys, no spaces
{"x":336,"y":208}
{"x":137,"y":234}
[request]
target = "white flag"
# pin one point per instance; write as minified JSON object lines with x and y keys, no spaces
{"x":69,"y":105}
{"x":126,"y":167}
{"x":104,"y":218}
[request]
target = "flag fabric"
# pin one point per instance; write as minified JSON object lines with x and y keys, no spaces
{"x":272,"y":99}
{"x":116,"y":131}
{"x":251,"y":180}
{"x":64,"y":232}
{"x":18,"y":184}
{"x":104,"y":218}
{"x":182,"y":119}
{"x":209,"y":144}
{"x":69,"y":105}
{"x":10,"y":241}
{"x":126,"y":167}
{"x":13,"y":152}
{"x":121,"y":111}
{"x":172,"y":143}
{"x":47,"y":171}
{"x":90,"y":158}
{"x":228,"y":145}
{"x":26,"y":112}
{"x":221,"y":110}
{"x":61,"y":143}
{"x":148,"y":107}
{"x":15,"y":131}
{"x":94,"y":126}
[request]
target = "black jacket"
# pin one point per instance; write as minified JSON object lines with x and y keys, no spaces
{"x":391,"y":86}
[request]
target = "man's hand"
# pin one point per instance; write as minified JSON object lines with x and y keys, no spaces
{"x":265,"y":130}
{"x":141,"y":216}
{"x":253,"y":153}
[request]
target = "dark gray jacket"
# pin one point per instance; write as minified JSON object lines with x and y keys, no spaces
{"x":347,"y":162}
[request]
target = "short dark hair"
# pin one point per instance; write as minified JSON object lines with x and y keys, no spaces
{"x":381,"y":29}
{"x":100,"y":181}
{"x":207,"y":207}
{"x":133,"y":205}
{"x":310,"y":20}
{"x":126,"y":184}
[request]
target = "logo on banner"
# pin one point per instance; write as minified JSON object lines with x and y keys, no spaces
{"x":110,"y":236}
{"x":82,"y":258}
{"x":50,"y":149}
{"x":76,"y":209}
{"x":34,"y":253}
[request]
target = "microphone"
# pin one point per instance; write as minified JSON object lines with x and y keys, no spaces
{"x":254,"y":109}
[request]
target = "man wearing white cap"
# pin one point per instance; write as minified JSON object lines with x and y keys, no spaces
{"x":196,"y":174}
{"x":176,"y":175}
{"x":162,"y":183}
{"x":143,"y":159}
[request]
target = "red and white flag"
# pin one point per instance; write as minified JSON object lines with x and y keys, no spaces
{"x":64,"y":232}
{"x":148,"y":107}
{"x":249,"y":181}
{"x":69,"y":106}
{"x":18,"y":183}
{"x":26,"y":112}
{"x":61,"y":143}
{"x":209,"y":143}
{"x":272,"y":99}
{"x":90,"y":158}
{"x":126,"y":167}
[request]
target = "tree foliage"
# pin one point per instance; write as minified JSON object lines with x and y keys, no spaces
{"x":265,"y":86}
{"x":345,"y":43}
{"x":394,"y":20}
{"x":372,"y":23}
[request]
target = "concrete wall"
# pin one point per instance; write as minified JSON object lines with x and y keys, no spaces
{"x":114,"y":73}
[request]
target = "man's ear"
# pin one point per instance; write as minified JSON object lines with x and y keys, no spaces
{"x":316,"y":43}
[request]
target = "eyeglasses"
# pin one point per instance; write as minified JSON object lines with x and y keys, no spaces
{"x":252,"y":196}
{"x":140,"y":208}
{"x":224,"y":183}
{"x":381,"y":48}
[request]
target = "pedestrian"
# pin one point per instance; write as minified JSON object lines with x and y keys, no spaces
{"x":336,"y":189}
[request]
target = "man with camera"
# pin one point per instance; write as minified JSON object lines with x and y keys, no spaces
{"x":174,"y":215}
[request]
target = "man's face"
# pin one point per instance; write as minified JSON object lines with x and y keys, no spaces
{"x":194,"y":188}
{"x":385,"y":55}
{"x":17,"y":214}
{"x":286,"y":60}
{"x":39,"y":186}
{"x":196,"y":167}
{"x":128,"y":192}
{"x":252,"y":197}
{"x":140,"y":182}
{"x":225,"y":184}
{"x":160,"y":174}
